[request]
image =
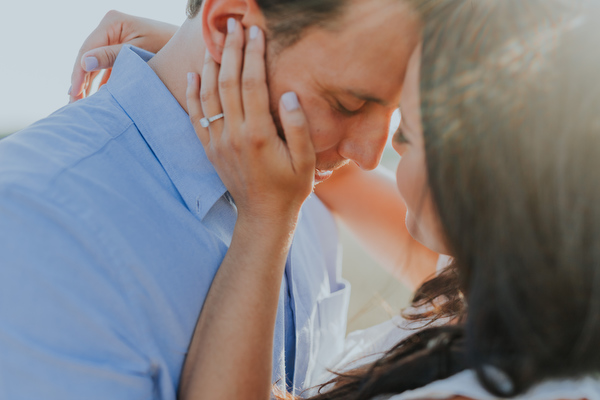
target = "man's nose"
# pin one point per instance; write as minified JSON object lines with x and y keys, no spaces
{"x":365,"y":143}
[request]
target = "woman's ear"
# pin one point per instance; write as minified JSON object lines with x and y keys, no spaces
{"x":215,"y":14}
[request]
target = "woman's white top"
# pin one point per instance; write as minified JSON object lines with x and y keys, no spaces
{"x":368,"y":345}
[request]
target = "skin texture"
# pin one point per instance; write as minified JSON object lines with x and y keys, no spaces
{"x":243,"y":297}
{"x":105,"y":42}
{"x":234,"y":334}
{"x":347,"y":143}
{"x":322,"y":68}
{"x":422,"y":218}
{"x":369,"y":204}
{"x":394,"y":216}
{"x":328,"y":68}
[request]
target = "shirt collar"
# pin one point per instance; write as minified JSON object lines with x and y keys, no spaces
{"x":166,"y":128}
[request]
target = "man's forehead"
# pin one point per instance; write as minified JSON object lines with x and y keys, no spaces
{"x":369,"y":13}
{"x":368,"y":16}
{"x":366,"y":60}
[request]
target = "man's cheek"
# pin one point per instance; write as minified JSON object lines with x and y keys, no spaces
{"x":325,"y":137}
{"x":325,"y":129}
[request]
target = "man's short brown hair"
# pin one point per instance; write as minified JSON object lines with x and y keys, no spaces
{"x":287,"y":19}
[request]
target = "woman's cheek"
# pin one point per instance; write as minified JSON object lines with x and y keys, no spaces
{"x":406,"y":178}
{"x":410,"y":190}
{"x":422,"y":220}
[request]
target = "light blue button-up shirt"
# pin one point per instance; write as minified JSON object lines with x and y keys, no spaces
{"x":113,"y":224}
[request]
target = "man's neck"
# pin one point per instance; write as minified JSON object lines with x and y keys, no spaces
{"x":182,"y":54}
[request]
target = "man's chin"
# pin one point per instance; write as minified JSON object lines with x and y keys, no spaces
{"x":322,"y":175}
{"x":326,"y":170}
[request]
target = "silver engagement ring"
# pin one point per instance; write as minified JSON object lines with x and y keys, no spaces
{"x":205,"y":122}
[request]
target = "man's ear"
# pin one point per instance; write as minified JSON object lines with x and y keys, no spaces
{"x":215,"y":14}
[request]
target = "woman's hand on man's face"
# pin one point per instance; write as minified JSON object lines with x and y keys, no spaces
{"x":100,"y":49}
{"x":268,"y":178}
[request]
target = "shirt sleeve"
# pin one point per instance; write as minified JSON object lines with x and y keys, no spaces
{"x":64,"y":331}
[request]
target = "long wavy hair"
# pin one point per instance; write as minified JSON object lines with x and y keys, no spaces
{"x":510,"y":95}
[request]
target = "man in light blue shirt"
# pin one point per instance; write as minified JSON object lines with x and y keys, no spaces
{"x":114,"y":223}
{"x":113,"y":226}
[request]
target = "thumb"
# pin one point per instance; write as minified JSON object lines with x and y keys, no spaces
{"x":100,"y":58}
{"x":297,"y":134}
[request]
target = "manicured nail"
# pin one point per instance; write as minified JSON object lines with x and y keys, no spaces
{"x":231,"y":25}
{"x":290,"y":101}
{"x":190,"y":78}
{"x":91,"y":63}
{"x":253,"y":32}
{"x":69,"y":92}
{"x":207,"y":56}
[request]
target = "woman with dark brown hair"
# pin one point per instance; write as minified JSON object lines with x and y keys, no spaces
{"x":500,"y":168}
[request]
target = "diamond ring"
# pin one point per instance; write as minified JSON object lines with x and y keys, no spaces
{"x":205,"y":122}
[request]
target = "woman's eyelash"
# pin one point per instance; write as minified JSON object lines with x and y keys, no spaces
{"x":399,"y":136}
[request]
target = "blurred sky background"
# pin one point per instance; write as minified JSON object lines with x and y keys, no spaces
{"x":39,"y":41}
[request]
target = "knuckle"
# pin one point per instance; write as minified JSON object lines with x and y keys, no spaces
{"x":107,"y":57}
{"x":254,"y":136}
{"x":232,"y":42}
{"x":112,"y":15}
{"x":257,"y":140}
{"x":236,"y":144}
{"x":208,"y":61}
{"x":251,"y":83}
{"x":195,"y":118}
{"x":207,"y":94}
{"x":218,"y":150}
{"x":295,"y":123}
{"x":252,"y":49}
{"x":210,"y":154}
{"x":227,"y":83}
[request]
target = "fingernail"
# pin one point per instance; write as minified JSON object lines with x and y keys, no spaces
{"x":230,"y":25}
{"x":290,"y":101}
{"x":91,"y":63}
{"x":207,"y":56}
{"x":190,"y":78}
{"x":253,"y":32}
{"x":69,"y":92}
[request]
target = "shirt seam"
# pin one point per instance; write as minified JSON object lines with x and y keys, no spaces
{"x":165,"y":164}
{"x":52,"y":180}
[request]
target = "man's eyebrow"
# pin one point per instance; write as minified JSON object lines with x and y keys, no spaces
{"x":367,"y":97}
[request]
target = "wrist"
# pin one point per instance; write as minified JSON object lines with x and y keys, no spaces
{"x":269,"y":213}
{"x":268,"y":224}
{"x":260,"y":236}
{"x":279,"y":222}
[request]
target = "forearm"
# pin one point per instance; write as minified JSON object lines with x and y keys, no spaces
{"x":230,"y":356}
{"x":369,"y":204}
